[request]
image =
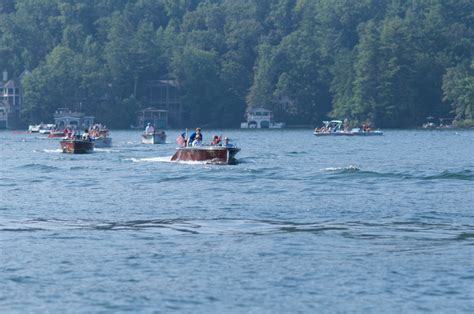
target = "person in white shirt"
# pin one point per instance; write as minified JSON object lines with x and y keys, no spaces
{"x":198,"y":140}
{"x":149,"y":129}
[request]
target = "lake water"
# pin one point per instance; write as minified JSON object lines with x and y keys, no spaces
{"x":300,"y":224}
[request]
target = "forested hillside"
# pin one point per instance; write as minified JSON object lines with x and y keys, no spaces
{"x":391,"y":62}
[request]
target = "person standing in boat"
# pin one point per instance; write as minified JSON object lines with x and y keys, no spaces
{"x":193,"y":136}
{"x":149,"y":129}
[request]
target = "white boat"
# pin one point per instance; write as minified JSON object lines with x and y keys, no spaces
{"x":101,"y":137}
{"x":154,"y":138}
{"x":102,"y":141}
{"x":335,"y":128}
{"x":41,"y":128}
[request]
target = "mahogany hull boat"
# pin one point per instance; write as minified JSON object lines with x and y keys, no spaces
{"x":77,"y":146}
{"x":156,"y":138}
{"x":212,"y":154}
{"x":56,"y":134}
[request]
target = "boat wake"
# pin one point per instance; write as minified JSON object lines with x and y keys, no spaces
{"x":348,"y":169}
{"x":166,"y":159}
{"x":106,"y":150}
{"x":149,"y":159}
{"x":53,"y":151}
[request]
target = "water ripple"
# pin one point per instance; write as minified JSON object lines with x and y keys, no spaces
{"x":353,"y":230}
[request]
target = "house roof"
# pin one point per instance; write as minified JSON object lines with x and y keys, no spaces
{"x":152,"y":109}
{"x":259,"y":109}
{"x":10,"y":84}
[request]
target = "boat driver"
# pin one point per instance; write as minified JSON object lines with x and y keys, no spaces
{"x":149,"y":129}
{"x":226,"y":143}
{"x":193,"y":136}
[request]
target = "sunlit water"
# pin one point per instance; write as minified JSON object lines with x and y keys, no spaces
{"x":300,"y":224}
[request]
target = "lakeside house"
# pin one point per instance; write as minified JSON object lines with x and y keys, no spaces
{"x":261,"y":118}
{"x":11,"y":98}
{"x":162,"y":102}
{"x":157,"y":117}
{"x":65,"y":117}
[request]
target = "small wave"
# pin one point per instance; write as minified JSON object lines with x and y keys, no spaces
{"x":445,"y":175}
{"x":458,"y":175}
{"x":465,"y":236}
{"x":353,"y":230}
{"x":37,"y":166}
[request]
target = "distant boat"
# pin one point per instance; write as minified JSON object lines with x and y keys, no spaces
{"x":76,"y":146}
{"x":56,"y":134}
{"x":154,"y":138}
{"x":211,"y":154}
{"x":41,"y":128}
{"x":102,"y":141}
{"x":102,"y":138}
{"x":334,"y":128}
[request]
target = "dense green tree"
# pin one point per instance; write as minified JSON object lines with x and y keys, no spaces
{"x":458,"y":88}
{"x":392,"y":62}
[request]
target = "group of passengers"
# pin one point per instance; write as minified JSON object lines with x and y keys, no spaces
{"x":95,"y":131}
{"x":195,"y":139}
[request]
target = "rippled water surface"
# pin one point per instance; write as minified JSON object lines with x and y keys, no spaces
{"x":300,"y":224}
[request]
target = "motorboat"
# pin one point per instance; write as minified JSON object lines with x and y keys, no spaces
{"x":154,"y":138}
{"x":335,"y":128}
{"x":56,"y":134}
{"x":332,"y":128}
{"x":361,"y":132}
{"x":77,"y":146}
{"x":102,"y":138}
{"x":210,"y":154}
{"x":102,"y":141}
{"x":41,"y":128}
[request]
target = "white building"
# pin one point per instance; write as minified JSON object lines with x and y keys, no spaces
{"x":64,"y":117}
{"x":261,"y":118}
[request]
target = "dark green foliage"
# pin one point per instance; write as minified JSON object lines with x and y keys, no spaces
{"x":392,"y":63}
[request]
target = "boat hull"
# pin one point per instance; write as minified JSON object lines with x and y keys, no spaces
{"x":370,"y":133}
{"x":211,"y":154}
{"x":77,"y":146}
{"x":333,"y":134}
{"x":157,"y":138}
{"x":103,"y":142}
{"x":56,"y":134}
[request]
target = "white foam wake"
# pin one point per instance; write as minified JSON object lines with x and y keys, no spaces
{"x":349,"y":168}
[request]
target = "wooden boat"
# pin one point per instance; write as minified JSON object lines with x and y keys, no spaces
{"x":56,"y":134}
{"x":154,"y":138}
{"x":76,"y":146}
{"x":211,"y":154}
